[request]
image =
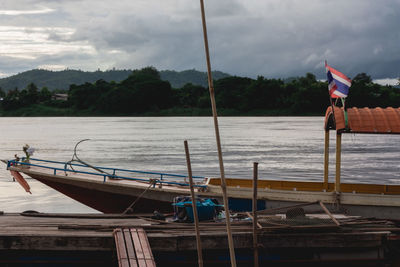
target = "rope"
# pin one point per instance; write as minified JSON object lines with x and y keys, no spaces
{"x":130,"y":208}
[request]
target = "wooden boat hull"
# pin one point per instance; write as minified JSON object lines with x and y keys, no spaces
{"x":115,"y":196}
{"x":109,"y":197}
{"x":104,"y":201}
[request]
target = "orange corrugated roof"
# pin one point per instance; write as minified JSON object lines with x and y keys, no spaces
{"x":364,"y":120}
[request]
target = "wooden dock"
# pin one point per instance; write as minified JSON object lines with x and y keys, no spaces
{"x":88,"y":240}
{"x":133,"y":248}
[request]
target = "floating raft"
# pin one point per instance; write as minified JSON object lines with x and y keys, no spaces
{"x":89,"y":240}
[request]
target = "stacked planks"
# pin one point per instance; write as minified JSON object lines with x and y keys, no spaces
{"x":133,"y":248}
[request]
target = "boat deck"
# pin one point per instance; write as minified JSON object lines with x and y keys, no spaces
{"x":311,"y":186}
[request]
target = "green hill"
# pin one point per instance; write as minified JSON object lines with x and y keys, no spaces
{"x":178,"y":79}
{"x":63,"y":79}
{"x":60,"y":79}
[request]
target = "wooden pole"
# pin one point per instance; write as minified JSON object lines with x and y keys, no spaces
{"x":194,"y":206}
{"x":255,"y":242}
{"x":329,"y":213}
{"x":326,"y":160}
{"x":252,"y":218}
{"x":338,"y":159}
{"x":221,"y":163}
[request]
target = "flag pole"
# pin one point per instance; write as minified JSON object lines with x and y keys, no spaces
{"x":330,"y":98}
{"x":326,"y":150}
{"x":221,"y":163}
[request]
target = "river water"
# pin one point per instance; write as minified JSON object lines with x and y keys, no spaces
{"x":285,"y":148}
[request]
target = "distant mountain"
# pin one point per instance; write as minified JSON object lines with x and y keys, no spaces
{"x":60,"y":79}
{"x":63,"y":79}
{"x":180,"y":78}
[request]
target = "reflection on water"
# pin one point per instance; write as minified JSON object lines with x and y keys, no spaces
{"x":285,"y":147}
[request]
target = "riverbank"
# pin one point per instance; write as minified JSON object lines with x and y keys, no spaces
{"x":39,"y":110}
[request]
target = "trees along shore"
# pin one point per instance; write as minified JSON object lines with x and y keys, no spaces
{"x":143,"y":93}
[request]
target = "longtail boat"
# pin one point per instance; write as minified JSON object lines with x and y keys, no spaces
{"x":112,"y":190}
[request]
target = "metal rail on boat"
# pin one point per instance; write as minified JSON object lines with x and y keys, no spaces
{"x":162,"y":178}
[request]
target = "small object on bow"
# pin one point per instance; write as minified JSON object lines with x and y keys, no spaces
{"x":28,"y":151}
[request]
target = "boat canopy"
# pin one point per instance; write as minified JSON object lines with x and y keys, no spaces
{"x":364,"y":120}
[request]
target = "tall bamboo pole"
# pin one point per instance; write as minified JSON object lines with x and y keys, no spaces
{"x":255,"y":242}
{"x":194,"y":206}
{"x":217,"y":136}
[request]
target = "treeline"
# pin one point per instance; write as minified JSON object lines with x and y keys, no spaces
{"x":145,"y":93}
{"x":15,"y":99}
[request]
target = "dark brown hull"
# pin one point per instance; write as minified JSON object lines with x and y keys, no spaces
{"x":107,"y":202}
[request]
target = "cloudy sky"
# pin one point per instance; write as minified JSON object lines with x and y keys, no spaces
{"x":273,"y":38}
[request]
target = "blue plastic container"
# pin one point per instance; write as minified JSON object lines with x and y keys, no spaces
{"x":205,"y":209}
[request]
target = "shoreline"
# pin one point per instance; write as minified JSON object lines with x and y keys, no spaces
{"x":45,"y":111}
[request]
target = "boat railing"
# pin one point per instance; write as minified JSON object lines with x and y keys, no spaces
{"x":111,"y":173}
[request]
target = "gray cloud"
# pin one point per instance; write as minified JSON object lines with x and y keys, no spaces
{"x":247,"y":37}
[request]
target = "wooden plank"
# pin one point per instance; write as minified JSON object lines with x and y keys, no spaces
{"x":252,"y":218}
{"x":121,"y":250}
{"x":148,"y":254}
{"x":138,"y":247}
{"x":329,"y":214}
{"x":130,"y":248}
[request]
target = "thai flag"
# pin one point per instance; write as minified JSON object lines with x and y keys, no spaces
{"x":338,"y":83}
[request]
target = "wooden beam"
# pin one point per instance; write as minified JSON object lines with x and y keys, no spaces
{"x":294,"y":239}
{"x":252,"y":218}
{"x":338,"y":160}
{"x":194,"y":206}
{"x":326,"y":160}
{"x":329,"y":213}
{"x":255,"y":242}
